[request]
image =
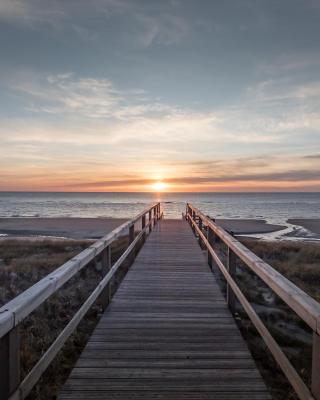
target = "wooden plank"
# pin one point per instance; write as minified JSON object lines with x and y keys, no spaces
{"x":168,"y":333}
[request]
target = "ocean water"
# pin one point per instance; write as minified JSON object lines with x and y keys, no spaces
{"x":274,"y":207}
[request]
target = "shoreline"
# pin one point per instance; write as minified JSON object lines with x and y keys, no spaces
{"x":95,"y":228}
{"x":305,"y":228}
{"x":59,"y":228}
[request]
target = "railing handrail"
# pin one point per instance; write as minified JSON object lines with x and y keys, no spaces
{"x":299,"y":301}
{"x":13,"y":312}
{"x":303,"y":304}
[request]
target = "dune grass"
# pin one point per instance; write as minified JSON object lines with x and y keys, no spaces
{"x":297,"y":261}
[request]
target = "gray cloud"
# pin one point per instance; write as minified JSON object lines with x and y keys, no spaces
{"x":285,"y":176}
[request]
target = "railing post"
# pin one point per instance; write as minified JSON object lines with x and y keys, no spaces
{"x":315,"y":378}
{"x":200,"y":227}
{"x":232,"y":265}
{"x":154,"y":216}
{"x":210,"y":238}
{"x":106,"y":265}
{"x":131,"y":234}
{"x":131,"y":239}
{"x":143,"y":225}
{"x":193,"y":215}
{"x":150,"y":219}
{"x":9,"y":363}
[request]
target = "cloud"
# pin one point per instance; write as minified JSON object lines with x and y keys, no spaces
{"x":284,"y":89}
{"x":287,"y":176}
{"x":288,"y":170}
{"x":31,"y":12}
{"x":162,"y":29}
{"x":313,"y":156}
{"x":147,"y":26}
{"x":289,"y":63}
{"x":133,"y":118}
{"x":84,"y":97}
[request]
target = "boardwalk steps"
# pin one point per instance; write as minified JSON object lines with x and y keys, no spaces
{"x":168,"y":333}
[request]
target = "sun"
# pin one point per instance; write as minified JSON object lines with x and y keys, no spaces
{"x":158,"y":186}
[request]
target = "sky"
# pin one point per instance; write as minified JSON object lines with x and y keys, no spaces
{"x":119,"y":95}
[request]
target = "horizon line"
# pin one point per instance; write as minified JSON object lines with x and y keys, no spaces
{"x":161,"y":192}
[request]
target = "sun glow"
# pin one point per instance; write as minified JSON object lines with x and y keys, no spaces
{"x":159,"y":186}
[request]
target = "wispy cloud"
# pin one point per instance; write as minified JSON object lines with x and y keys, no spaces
{"x":133,"y":115}
{"x":84,"y":97}
{"x":148,"y":27}
{"x":162,"y":29}
{"x":243,"y":171}
{"x":31,"y":12}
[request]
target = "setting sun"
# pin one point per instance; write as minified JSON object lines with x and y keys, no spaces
{"x":159,"y":186}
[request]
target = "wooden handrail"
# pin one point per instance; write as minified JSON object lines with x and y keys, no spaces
{"x":306,"y":307}
{"x":12,"y":313}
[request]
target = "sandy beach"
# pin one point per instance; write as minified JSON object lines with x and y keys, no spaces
{"x":92,"y":228}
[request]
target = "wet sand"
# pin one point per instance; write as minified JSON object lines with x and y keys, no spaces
{"x":76,"y":228}
{"x":310,"y":224}
{"x":248,"y":226}
{"x":92,"y":228}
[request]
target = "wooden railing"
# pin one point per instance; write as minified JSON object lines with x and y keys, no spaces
{"x":302,"y":304}
{"x":20,"y":307}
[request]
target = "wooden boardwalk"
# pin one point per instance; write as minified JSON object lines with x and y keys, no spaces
{"x":167,"y":334}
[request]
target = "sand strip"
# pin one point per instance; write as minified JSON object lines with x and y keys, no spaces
{"x":92,"y":228}
{"x":310,"y":224}
{"x":76,"y":228}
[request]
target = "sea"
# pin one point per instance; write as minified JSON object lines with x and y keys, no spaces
{"x":273,"y":207}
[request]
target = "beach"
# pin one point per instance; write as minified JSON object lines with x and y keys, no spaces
{"x":94,"y":228}
{"x":248,"y":226}
{"x":75,"y":228}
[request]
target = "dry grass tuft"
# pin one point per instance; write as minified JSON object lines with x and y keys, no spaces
{"x":297,"y":261}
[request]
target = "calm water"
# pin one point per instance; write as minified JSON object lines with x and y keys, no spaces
{"x":274,"y":207}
